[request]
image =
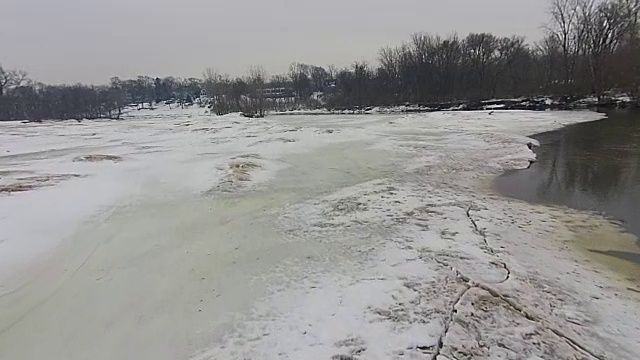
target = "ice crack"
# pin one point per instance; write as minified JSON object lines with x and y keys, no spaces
{"x":482,"y":233}
{"x":513,"y":305}
{"x":454,"y":308}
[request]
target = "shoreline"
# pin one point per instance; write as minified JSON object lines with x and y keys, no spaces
{"x":587,"y":236}
{"x":539,"y":103}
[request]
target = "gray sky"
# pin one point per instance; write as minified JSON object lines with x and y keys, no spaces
{"x":67,"y":41}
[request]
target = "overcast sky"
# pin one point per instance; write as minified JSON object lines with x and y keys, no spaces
{"x":67,"y":41}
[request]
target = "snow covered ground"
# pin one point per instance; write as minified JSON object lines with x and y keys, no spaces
{"x":176,"y":235}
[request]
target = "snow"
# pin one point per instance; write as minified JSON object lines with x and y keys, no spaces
{"x":296,"y":237}
{"x":623,"y":98}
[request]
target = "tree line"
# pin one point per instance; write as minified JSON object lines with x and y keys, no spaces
{"x":590,"y":47}
{"x":22,"y":98}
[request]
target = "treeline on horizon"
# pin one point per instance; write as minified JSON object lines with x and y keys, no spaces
{"x":589,"y":48}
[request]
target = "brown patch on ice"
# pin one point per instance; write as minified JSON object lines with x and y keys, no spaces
{"x":16,"y":187}
{"x":348,"y":205}
{"x":325,"y":131}
{"x":248,"y":156}
{"x":353,"y":345}
{"x":49,"y":178}
{"x":14,"y":172}
{"x":97,"y":158}
{"x":207,"y":130}
{"x":240,"y":171}
{"x":269,"y":141}
{"x":34,"y":182}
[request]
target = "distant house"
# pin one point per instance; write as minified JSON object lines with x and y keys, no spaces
{"x":277,"y":93}
{"x":204,"y":98}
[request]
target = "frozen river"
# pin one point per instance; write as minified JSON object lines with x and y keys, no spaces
{"x":177,"y":235}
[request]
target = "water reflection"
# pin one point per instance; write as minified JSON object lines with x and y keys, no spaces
{"x":591,"y":166}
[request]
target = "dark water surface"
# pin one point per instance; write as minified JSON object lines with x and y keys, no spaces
{"x":592,"y":166}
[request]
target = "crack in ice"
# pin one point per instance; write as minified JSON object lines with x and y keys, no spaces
{"x":472,"y":284}
{"x":483,"y":234}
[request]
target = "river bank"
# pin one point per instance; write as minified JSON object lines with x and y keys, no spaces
{"x":591,"y":167}
{"x":295,"y":237}
{"x":539,"y":103}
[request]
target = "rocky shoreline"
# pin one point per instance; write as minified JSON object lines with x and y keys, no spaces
{"x":525,"y":103}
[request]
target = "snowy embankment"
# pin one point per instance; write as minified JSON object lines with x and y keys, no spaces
{"x":540,"y":103}
{"x":297,"y":237}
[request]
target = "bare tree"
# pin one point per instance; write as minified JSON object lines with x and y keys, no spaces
{"x":319,"y":77}
{"x":568,"y":31}
{"x":607,"y":25}
{"x":508,"y":51}
{"x":257,"y":80}
{"x":332,"y":70}
{"x":300,"y":75}
{"x":448,"y":58}
{"x":11,"y":79}
{"x":480,"y":51}
{"x":218,"y":87}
